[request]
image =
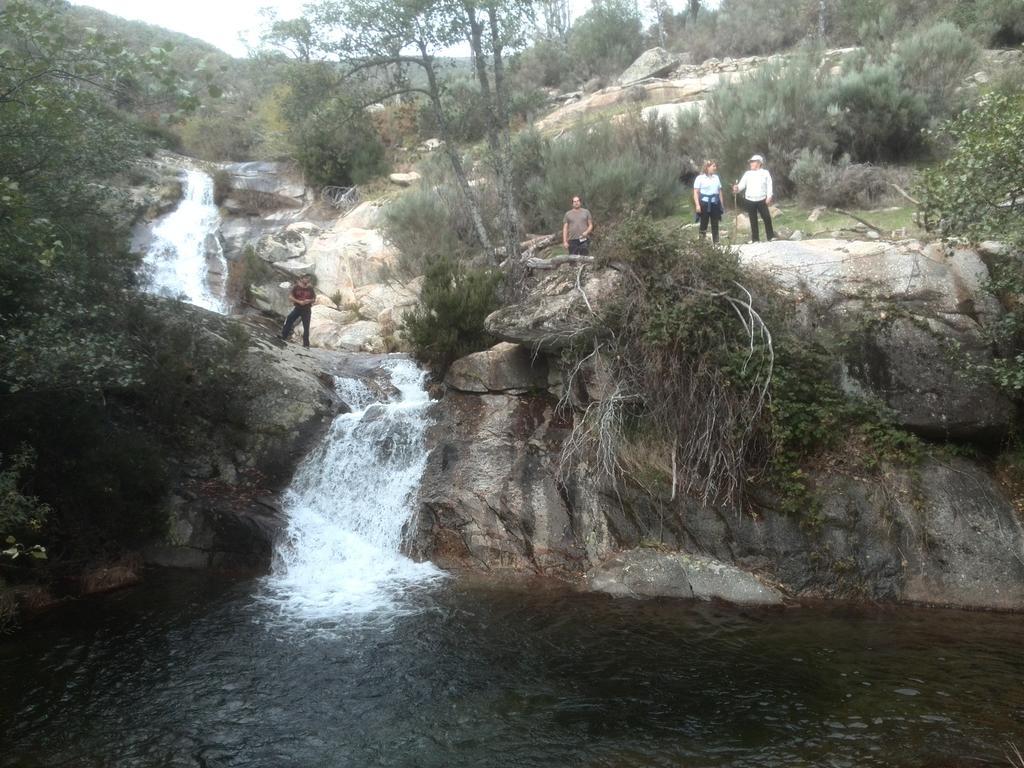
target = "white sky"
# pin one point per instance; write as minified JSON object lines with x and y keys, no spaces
{"x":222,"y":22}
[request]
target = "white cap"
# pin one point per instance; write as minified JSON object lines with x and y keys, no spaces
{"x":758,"y":158}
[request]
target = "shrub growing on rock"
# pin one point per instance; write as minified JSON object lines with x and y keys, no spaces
{"x":449,"y":321}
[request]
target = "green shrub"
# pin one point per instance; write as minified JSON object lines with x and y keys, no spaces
{"x":933,"y":63}
{"x":463,"y":110}
{"x":877,"y":118}
{"x":754,"y":27}
{"x":615,"y":169}
{"x":718,"y":402}
{"x":545,"y":64}
{"x":776,"y":111}
{"x":975,"y":191}
{"x":21,"y":514}
{"x":449,"y":321}
{"x":433,"y":218}
{"x":337,"y":145}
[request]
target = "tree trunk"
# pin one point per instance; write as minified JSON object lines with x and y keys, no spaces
{"x":452,"y":151}
{"x":498,"y":139}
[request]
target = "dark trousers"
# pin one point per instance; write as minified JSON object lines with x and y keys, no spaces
{"x":704,"y":219}
{"x":303,"y":313}
{"x":579,"y":247}
{"x":755,"y":207}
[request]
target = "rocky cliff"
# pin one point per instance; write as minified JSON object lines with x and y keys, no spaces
{"x":942,"y":531}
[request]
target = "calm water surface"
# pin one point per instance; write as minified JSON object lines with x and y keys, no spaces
{"x":185,"y":672}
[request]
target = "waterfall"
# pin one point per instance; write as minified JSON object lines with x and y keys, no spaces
{"x":185,"y":259}
{"x":348,"y":504}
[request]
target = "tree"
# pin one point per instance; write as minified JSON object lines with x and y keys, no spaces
{"x":607,"y":38}
{"x":382,"y":35}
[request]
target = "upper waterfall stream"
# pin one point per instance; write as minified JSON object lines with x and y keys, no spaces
{"x":185,"y":259}
{"x":348,"y":504}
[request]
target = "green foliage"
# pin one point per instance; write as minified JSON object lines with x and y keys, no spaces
{"x":21,"y":514}
{"x":449,"y":322}
{"x":720,"y":403}
{"x":463,"y":110}
{"x":607,"y":38}
{"x":615,"y":169}
{"x":933,"y":64}
{"x":338,"y":145}
{"x":220,"y":134}
{"x":754,"y":27}
{"x":976,"y":190}
{"x":878,"y":118}
{"x":422,"y":223}
{"x":545,"y":64}
{"x":87,"y":380}
{"x":777,"y":111}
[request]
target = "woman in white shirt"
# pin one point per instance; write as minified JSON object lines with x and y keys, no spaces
{"x":707,"y":199}
{"x":756,"y":186}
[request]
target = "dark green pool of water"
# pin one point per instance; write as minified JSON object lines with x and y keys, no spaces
{"x":183,"y":672}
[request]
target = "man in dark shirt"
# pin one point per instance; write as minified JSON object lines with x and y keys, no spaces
{"x":303,"y":297}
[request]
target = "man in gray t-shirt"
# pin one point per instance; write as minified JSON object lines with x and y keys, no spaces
{"x":576,"y":227}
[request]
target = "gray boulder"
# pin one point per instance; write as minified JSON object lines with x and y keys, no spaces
{"x":652,"y":573}
{"x":912,"y":316}
{"x":489,"y":499}
{"x":653,"y":62}
{"x":558,"y":312}
{"x":504,"y":368}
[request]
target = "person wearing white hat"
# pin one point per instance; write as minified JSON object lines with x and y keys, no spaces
{"x":756,"y":186}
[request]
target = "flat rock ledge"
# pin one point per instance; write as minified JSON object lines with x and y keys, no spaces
{"x":644,"y":573}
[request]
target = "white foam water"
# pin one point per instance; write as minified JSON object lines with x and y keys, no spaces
{"x":347,"y":507}
{"x":185,"y":243}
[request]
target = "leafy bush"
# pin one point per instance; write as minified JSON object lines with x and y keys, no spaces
{"x":449,"y":321}
{"x":432,"y":218}
{"x":840,"y":184}
{"x":614,"y":168}
{"x":545,"y":64}
{"x":754,"y":27}
{"x":21,"y":514}
{"x":337,"y":145}
{"x":718,"y":401}
{"x":933,"y":63}
{"x":463,"y":110}
{"x":877,"y":117}
{"x":976,"y":190}
{"x":220,"y":134}
{"x":777,"y":111}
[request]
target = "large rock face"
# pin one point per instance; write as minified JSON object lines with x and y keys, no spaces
{"x":909,"y":315}
{"x":224,"y":512}
{"x":489,"y":499}
{"x":942,"y":532}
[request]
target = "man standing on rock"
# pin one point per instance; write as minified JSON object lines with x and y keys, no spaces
{"x":756,"y":186}
{"x":303,"y":297}
{"x":576,"y":227}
